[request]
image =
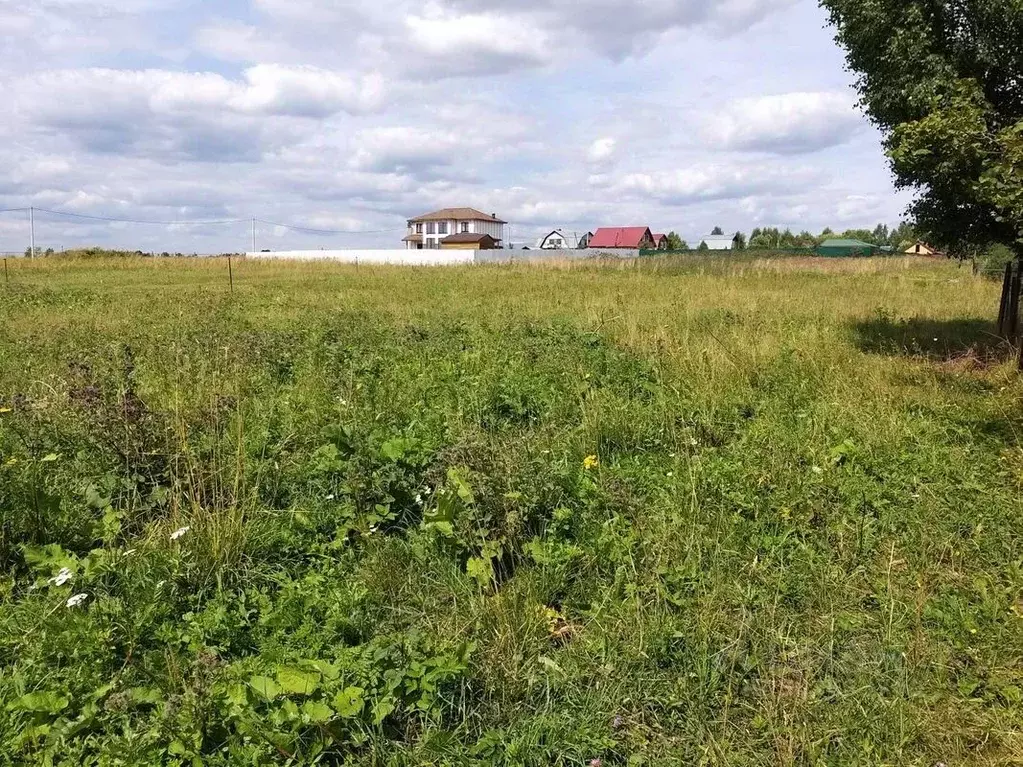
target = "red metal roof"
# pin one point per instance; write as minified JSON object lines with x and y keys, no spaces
{"x":620,"y":237}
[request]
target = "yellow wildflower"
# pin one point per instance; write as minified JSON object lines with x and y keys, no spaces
{"x":591,"y":462}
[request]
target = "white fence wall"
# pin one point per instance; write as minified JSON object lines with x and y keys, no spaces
{"x":396,"y":257}
{"x":520,"y":255}
{"x":441,"y":257}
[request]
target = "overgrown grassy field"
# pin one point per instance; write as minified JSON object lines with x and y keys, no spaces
{"x":676,"y":513}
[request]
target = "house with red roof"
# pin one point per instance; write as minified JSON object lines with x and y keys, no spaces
{"x":623,"y":238}
{"x":661,"y":241}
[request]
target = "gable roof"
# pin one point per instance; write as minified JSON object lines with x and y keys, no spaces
{"x":458,"y":214}
{"x":919,"y":247}
{"x":572,"y":240}
{"x":620,"y":237}
{"x":658,"y":238}
{"x":466,"y":238}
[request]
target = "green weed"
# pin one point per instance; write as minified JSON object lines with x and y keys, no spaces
{"x":677,"y":511}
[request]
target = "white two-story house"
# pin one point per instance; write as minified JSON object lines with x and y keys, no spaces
{"x":460,"y":225}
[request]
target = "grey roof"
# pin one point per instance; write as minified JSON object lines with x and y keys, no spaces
{"x":840,"y":243}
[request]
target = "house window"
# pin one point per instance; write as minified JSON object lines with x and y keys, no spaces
{"x":419,"y":228}
{"x":465,"y":227}
{"x":557,"y":244}
{"x":431,"y":228}
{"x":442,"y":228}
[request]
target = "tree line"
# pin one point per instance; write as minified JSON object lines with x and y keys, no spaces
{"x":899,"y":238}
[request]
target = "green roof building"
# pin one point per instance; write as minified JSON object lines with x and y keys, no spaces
{"x":846,"y":249}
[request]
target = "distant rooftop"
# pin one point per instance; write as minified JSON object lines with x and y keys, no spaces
{"x":458,"y":214}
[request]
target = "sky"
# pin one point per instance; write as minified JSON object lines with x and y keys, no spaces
{"x":354,"y":115}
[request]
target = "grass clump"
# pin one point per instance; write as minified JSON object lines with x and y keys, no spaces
{"x":666,"y":512}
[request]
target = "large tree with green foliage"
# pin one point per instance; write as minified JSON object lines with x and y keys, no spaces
{"x":943,"y":80}
{"x":676,"y":243}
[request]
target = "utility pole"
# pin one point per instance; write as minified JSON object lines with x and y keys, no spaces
{"x":253,"y":235}
{"x":32,"y":232}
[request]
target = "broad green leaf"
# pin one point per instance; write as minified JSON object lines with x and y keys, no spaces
{"x":461,"y":486}
{"x":317,"y":711}
{"x":382,"y":710}
{"x":94,"y":499}
{"x":238,"y":695}
{"x":328,"y":670}
{"x":395,"y":449}
{"x":298,"y":681}
{"x":265,"y":687}
{"x":480,"y":570}
{"x":49,"y":558}
{"x":350,"y":701}
{"x":41,"y":702}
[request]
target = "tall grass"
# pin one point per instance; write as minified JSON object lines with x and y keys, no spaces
{"x":673,"y":511}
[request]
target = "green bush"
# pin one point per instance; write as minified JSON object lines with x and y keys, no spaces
{"x":993,"y":262}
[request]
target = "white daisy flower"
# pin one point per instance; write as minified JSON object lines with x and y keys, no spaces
{"x":180,"y":533}
{"x":76,"y":600}
{"x":62,"y":577}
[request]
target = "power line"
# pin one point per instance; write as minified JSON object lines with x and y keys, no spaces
{"x":197,"y":222}
{"x":327,"y":231}
{"x":111,"y":219}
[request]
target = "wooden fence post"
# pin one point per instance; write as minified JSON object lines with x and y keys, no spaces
{"x":1003,"y":307}
{"x":230,"y":272}
{"x":1014,"y":291}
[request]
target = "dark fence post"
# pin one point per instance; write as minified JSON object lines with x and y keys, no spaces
{"x":230,"y":272}
{"x":1013,"y":319}
{"x":1003,"y":307}
{"x":7,"y":274}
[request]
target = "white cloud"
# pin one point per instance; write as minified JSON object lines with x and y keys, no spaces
{"x":618,"y":28}
{"x":713,"y":182}
{"x":405,"y":149}
{"x":791,"y":123}
{"x":602,"y":150}
{"x":306,"y":92}
{"x":265,"y":90}
{"x":477,"y":42}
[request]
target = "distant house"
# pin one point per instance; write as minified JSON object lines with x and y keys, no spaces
{"x":840,"y":248}
{"x":661,"y":241}
{"x":925,"y":250}
{"x":469,"y":241}
{"x":623,"y":238}
{"x":559,"y":239}
{"x":428,"y":231}
{"x":720,"y":242}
